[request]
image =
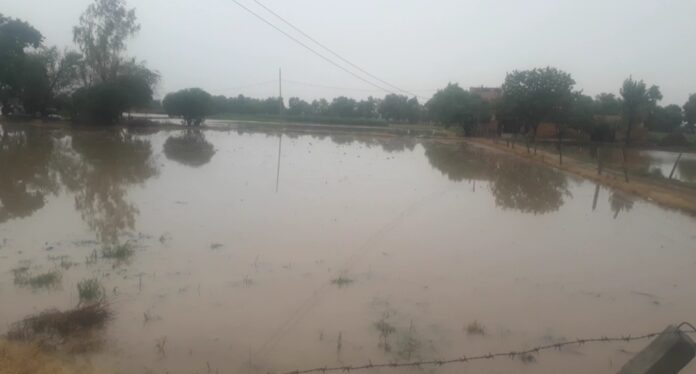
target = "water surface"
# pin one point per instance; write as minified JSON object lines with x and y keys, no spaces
{"x":239,"y":235}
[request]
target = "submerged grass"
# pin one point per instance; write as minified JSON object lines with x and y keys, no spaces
{"x":475,"y":328}
{"x":120,"y":252}
{"x":90,"y":290}
{"x":342,"y":281}
{"x":61,"y":324}
{"x":50,"y":279}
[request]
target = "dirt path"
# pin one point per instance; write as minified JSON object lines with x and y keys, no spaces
{"x":669,"y":196}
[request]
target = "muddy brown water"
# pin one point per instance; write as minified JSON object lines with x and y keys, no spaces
{"x":234,"y":254}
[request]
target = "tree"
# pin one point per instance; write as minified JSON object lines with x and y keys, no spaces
{"x":192,"y":105}
{"x":690,"y":113}
{"x":15,"y":37}
{"x":538,"y":95}
{"x":342,"y":107}
{"x":608,"y":104}
{"x":101,"y":35}
{"x":665,"y":119}
{"x":638,"y":103}
{"x":456,"y":106}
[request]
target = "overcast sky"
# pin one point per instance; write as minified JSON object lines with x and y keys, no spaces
{"x":417,"y":45}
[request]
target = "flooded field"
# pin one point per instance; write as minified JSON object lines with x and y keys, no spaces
{"x":251,"y":252}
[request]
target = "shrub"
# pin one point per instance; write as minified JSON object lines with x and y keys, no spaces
{"x":192,"y":105}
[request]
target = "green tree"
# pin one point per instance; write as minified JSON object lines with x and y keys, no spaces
{"x":15,"y":37}
{"x":638,"y":102}
{"x":456,"y":106}
{"x":542,"y":94}
{"x":192,"y":105}
{"x":608,"y":104}
{"x":101,"y":36}
{"x":690,"y":113}
{"x":665,"y":119}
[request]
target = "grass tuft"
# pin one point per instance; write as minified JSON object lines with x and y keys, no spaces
{"x":90,"y":290}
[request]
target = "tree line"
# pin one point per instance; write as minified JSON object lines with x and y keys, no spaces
{"x":97,"y":82}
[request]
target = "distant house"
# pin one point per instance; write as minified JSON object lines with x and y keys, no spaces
{"x":489,"y":94}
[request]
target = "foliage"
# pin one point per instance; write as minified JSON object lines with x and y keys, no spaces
{"x":15,"y":37}
{"x":455,"y":106}
{"x":106,"y":102}
{"x":690,"y":113}
{"x":638,"y":102}
{"x":537,"y":95}
{"x":101,"y":36}
{"x":400,"y":108}
{"x":665,"y":119}
{"x":192,"y":105}
{"x":608,"y":104}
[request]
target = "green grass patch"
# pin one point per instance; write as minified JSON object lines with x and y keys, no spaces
{"x":342,"y":281}
{"x":22,"y":277}
{"x":120,"y":252}
{"x":90,"y":290}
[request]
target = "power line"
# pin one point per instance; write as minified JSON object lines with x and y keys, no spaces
{"x":332,"y":52}
{"x":331,"y":87}
{"x":253,"y":85}
{"x":310,"y":48}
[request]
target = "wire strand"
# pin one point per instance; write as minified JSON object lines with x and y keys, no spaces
{"x":332,"y":62}
{"x":332,"y":51}
{"x":489,"y":356}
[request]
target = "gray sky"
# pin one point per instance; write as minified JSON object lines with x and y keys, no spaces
{"x":418,"y":45}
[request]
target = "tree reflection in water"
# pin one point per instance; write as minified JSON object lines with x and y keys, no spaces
{"x":26,"y":175}
{"x":619,"y":201}
{"x":515,"y":184}
{"x":191,"y":148}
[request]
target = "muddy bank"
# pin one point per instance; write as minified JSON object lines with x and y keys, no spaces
{"x":670,"y":196}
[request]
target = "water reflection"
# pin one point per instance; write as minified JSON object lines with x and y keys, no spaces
{"x":619,"y":202}
{"x":191,"y":148}
{"x":106,"y":166}
{"x":687,"y":170}
{"x":26,"y":176}
{"x":515,"y":184}
{"x":96,"y":167}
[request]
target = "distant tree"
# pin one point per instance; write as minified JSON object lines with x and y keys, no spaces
{"x":366,"y":108}
{"x":320,"y":107}
{"x":665,"y":119}
{"x":582,"y":112}
{"x":638,"y":102}
{"x":299,"y":107}
{"x":394,"y":107}
{"x":15,"y":37}
{"x":101,"y":36}
{"x":192,"y":105}
{"x":538,"y":95}
{"x":690,"y":113}
{"x":456,"y":106}
{"x":343,"y":107}
{"x":608,"y":104}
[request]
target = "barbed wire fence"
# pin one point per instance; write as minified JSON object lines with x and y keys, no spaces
{"x":489,"y":356}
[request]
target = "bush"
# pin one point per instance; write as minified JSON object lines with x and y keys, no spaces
{"x":192,"y":105}
{"x":675,"y":139}
{"x":106,"y":102}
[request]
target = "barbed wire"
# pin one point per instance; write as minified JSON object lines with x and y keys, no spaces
{"x":490,"y":356}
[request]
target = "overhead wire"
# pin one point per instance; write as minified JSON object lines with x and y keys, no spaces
{"x":345,"y":60}
{"x":332,"y":62}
